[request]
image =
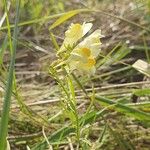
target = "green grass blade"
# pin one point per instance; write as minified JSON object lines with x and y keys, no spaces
{"x":100,"y":139}
{"x":54,"y":41}
{"x":57,"y":136}
{"x":39,"y":20}
{"x":142,"y":92}
{"x":65,"y":131}
{"x":125,"y":109}
{"x":33,"y":21}
{"x":65,"y":17}
{"x":2,"y":49}
{"x":117,"y":55}
{"x":8,"y":92}
{"x":108,"y":56}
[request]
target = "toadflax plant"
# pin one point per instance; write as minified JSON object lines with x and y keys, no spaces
{"x":76,"y":55}
{"x":81,"y":56}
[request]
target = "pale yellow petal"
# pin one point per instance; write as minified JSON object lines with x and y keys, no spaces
{"x":83,"y":56}
{"x":92,"y":42}
{"x":74,"y":34}
{"x":86,"y":27}
{"x":95,"y":49}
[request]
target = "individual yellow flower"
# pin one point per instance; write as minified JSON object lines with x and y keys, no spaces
{"x":74,"y":34}
{"x":83,"y":56}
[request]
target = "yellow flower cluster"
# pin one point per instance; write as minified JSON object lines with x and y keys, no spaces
{"x":83,"y":55}
{"x":74,"y":34}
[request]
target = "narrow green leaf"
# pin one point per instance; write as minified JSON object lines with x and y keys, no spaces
{"x":122,"y":52}
{"x":127,"y":110}
{"x":65,"y":17}
{"x":100,"y":139}
{"x":2,"y":50}
{"x":88,"y":118}
{"x":115,"y":55}
{"x":118,"y":55}
{"x":65,"y":131}
{"x":54,"y":41}
{"x":57,"y":136}
{"x":108,"y":56}
{"x":142,"y":92}
{"x":39,"y":20}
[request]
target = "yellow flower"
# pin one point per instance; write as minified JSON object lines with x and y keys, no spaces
{"x":83,"y":56}
{"x":74,"y":34}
